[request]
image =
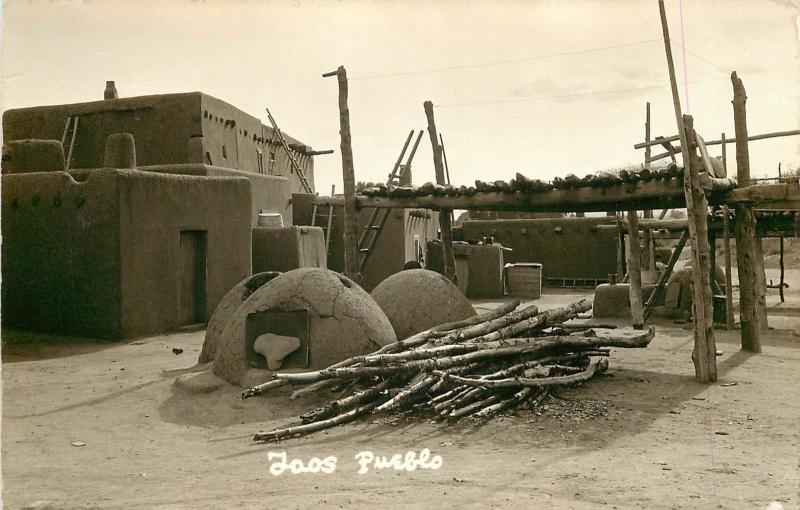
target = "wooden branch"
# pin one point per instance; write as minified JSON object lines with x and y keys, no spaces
{"x":537,"y":346}
{"x":505,"y":405}
{"x":302,"y":430}
{"x":345,"y":404}
{"x":263,"y":388}
{"x":407,"y":394}
{"x":597,"y":365}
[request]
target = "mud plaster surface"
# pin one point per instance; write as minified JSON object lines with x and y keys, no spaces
{"x":416,"y":299}
{"x":345,"y":320}
{"x":652,"y":443}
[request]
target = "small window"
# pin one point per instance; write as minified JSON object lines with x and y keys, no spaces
{"x":224,"y":152}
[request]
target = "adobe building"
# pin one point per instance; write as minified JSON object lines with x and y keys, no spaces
{"x":134,"y":216}
{"x":571,"y":250}
{"x":190,"y":133}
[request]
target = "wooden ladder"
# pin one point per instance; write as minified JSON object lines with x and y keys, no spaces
{"x":377,"y":220}
{"x":292,"y":160}
{"x":328,"y":215}
{"x":71,"y":132}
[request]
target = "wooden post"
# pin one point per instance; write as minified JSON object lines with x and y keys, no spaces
{"x":445,"y":215}
{"x":745,"y":229}
{"x":705,"y":366}
{"x":620,"y":251}
{"x":648,"y":255}
{"x":726,"y":229}
{"x":348,"y":176}
{"x":704,"y":354}
{"x":634,"y":270}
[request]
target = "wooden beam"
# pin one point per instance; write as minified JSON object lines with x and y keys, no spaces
{"x":446,"y":215}
{"x":348,"y":176}
{"x":721,"y":141}
{"x":785,"y":196}
{"x":635,"y":270}
{"x":705,"y":365}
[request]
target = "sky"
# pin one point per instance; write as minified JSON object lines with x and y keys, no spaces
{"x":544,"y":88}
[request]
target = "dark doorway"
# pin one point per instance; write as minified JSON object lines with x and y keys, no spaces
{"x":193,"y":277}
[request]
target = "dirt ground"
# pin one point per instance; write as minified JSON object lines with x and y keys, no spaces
{"x":643,"y":436}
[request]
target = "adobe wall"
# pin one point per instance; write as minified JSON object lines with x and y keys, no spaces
{"x":60,"y":253}
{"x":168,"y":129}
{"x":161,"y":125}
{"x":284,"y":249}
{"x":566,"y":247}
{"x":269,"y":193}
{"x":154,"y":209}
{"x":243,"y":136}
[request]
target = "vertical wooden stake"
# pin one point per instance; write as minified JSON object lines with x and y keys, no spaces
{"x":704,"y":354}
{"x":620,"y":251}
{"x":445,"y":215}
{"x":745,"y":229}
{"x":705,"y":366}
{"x":726,"y":227}
{"x":348,"y":176}
{"x":634,"y":270}
{"x":648,"y":255}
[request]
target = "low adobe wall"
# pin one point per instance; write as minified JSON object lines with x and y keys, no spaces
{"x":566,"y":247}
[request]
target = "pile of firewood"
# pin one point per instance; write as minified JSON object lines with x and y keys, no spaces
{"x":477,"y":367}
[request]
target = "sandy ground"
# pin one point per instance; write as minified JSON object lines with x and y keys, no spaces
{"x":643,"y":436}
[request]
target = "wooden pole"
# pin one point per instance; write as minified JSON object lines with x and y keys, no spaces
{"x":745,"y":228}
{"x":634,"y":271}
{"x":445,"y":215}
{"x":705,"y":366}
{"x":726,"y":232}
{"x":620,"y":251}
{"x":648,"y":255}
{"x":704,"y":354}
{"x":348,"y":176}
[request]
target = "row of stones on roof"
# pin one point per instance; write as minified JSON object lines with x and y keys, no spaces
{"x":522,"y":183}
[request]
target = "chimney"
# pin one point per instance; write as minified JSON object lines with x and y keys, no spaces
{"x":111,"y":91}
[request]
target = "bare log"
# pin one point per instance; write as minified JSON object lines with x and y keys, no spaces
{"x":345,"y":404}
{"x":504,"y":405}
{"x":535,"y":347}
{"x":302,"y":430}
{"x":407,"y":395}
{"x":263,"y":388}
{"x":597,"y":365}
